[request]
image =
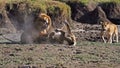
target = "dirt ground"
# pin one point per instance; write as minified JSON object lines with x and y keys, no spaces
{"x":90,"y":52}
{"x":85,"y":55}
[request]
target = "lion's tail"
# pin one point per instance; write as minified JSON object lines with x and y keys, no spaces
{"x":67,"y":27}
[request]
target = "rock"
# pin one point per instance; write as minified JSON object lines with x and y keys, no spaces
{"x":93,"y":16}
{"x":6,"y":23}
{"x":114,"y":11}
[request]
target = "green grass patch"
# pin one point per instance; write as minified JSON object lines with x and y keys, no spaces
{"x":44,"y":6}
{"x":54,"y":6}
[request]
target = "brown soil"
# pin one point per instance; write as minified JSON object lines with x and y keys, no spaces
{"x":89,"y":52}
{"x":59,"y":56}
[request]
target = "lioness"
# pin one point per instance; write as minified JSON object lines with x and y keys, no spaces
{"x":70,"y":37}
{"x":110,"y":30}
{"x":63,"y":34}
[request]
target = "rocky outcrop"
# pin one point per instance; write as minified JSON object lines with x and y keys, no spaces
{"x":6,"y":24}
{"x":19,"y":14}
{"x":91,"y":12}
{"x":112,"y":11}
{"x":93,"y":16}
{"x":80,"y":11}
{"x":77,"y":10}
{"x":22,"y":13}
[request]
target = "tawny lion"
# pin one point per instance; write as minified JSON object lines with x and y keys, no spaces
{"x":70,"y":37}
{"x":64,"y":34}
{"x":110,"y":30}
{"x":49,"y":23}
{"x":41,"y":27}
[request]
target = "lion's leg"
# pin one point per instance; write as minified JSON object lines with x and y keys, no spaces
{"x":110,"y":38}
{"x":113,"y":37}
{"x":74,"y":40}
{"x":42,"y":33}
{"x":103,"y":38}
{"x":116,"y":37}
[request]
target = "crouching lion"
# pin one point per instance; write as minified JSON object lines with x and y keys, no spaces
{"x":63,"y":34}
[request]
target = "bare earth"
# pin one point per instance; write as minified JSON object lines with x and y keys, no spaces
{"x":85,"y":55}
{"x":89,"y":52}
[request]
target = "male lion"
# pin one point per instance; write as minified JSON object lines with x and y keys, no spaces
{"x":48,"y":21}
{"x":110,"y":30}
{"x":42,"y":26}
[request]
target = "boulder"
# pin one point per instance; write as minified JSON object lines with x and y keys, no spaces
{"x":6,"y":23}
{"x":112,"y":10}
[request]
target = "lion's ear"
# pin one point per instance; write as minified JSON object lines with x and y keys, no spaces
{"x":107,"y":22}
